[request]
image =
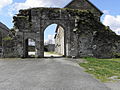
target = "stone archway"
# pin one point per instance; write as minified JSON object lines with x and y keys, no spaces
{"x":44,"y":21}
{"x":45,"y":24}
{"x":34,"y":21}
{"x":57,"y":44}
{"x":81,"y":27}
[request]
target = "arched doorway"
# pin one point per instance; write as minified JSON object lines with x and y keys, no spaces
{"x":54,"y":41}
{"x":30,"y":48}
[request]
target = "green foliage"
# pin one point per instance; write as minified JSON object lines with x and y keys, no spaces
{"x":117,"y":55}
{"x":102,"y":69}
{"x":7,"y":38}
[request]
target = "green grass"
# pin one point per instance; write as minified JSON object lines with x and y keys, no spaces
{"x":103,"y":69}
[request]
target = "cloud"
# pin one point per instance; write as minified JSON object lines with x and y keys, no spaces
{"x":4,"y":3}
{"x":30,"y":4}
{"x":40,"y":3}
{"x":50,"y":40}
{"x":106,"y":12}
{"x":15,"y":7}
{"x":113,"y":22}
{"x":51,"y":36}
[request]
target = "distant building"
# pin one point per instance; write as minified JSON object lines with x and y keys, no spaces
{"x":4,"y":31}
{"x":59,"y":40}
{"x":85,"y":5}
{"x":49,"y":48}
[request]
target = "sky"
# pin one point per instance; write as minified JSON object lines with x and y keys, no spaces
{"x":110,"y":8}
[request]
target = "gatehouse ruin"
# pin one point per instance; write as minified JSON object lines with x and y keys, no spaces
{"x":79,"y":32}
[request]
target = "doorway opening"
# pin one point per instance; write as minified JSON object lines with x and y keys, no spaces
{"x":54,"y":41}
{"x":30,"y":48}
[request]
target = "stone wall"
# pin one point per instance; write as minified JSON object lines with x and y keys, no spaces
{"x":31,"y":23}
{"x":84,"y":35}
{"x":96,"y":40}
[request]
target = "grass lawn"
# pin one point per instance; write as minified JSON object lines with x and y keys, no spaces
{"x":103,"y":69}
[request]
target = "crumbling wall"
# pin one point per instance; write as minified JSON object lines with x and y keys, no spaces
{"x":106,"y":43}
{"x":84,"y":35}
{"x":95,"y":39}
{"x":31,"y":23}
{"x":9,"y":47}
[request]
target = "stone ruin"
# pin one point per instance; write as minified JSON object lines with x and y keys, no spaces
{"x":5,"y":41}
{"x":84,"y":35}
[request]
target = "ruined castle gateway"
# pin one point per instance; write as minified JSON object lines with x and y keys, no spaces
{"x":84,"y":35}
{"x":31,"y":23}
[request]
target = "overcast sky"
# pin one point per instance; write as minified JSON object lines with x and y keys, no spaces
{"x":111,"y":9}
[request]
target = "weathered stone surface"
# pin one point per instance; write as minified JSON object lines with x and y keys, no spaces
{"x":84,"y":34}
{"x":39,"y":19}
{"x":94,"y":39}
